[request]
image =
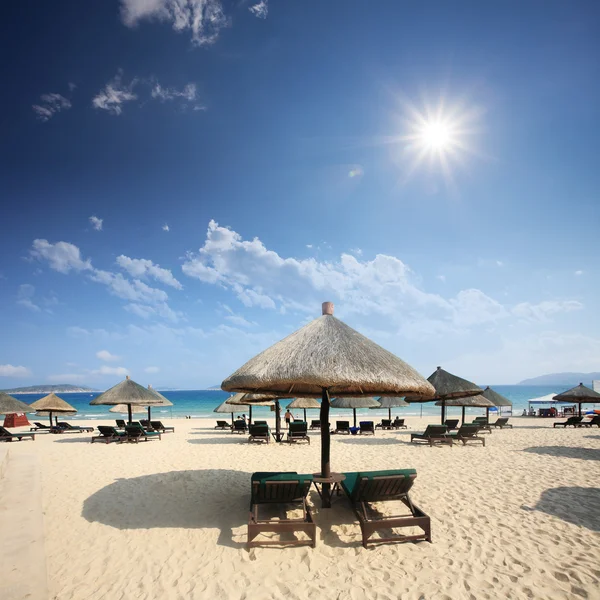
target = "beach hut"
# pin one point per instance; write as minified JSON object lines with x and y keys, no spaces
{"x":478,"y":400}
{"x":304,"y":403}
{"x":164,"y":402}
{"x":447,"y":386}
{"x":327,"y":358}
{"x":580,"y":394}
{"x":50,"y":404}
{"x":354,"y":403}
{"x":497,"y":399}
{"x":239,"y":400}
{"x":390,"y":402}
{"x":130,"y":393}
{"x":14,"y":410}
{"x":226,"y":408}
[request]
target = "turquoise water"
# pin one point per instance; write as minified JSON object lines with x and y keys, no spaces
{"x":200,"y":403}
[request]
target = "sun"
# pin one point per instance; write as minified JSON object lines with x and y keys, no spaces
{"x":437,"y":135}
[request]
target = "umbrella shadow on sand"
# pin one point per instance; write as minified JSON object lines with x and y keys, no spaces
{"x":566,"y":452}
{"x":205,"y":498}
{"x":232,"y":439}
{"x":72,"y":440}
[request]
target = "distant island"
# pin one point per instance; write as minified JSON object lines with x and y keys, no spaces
{"x":562,"y":379}
{"x":61,"y":388}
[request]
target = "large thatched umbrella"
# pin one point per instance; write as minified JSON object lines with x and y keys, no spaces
{"x":390,"y":402}
{"x":448,"y":386}
{"x":497,"y":399}
{"x":52,"y":404}
{"x":354,"y":403}
{"x":327,"y":357}
{"x":130,"y":393}
{"x":240,"y":400}
{"x":579,"y":394}
{"x":304,"y":403}
{"x":10,"y":405}
{"x":164,"y":402}
{"x":478,"y":400}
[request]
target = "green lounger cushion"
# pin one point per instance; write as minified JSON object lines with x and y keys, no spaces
{"x":264,"y":476}
{"x":350,"y":483}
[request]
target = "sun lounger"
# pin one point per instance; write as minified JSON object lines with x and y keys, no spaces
{"x":451,"y":424}
{"x":365,"y":487}
{"x":120,"y":423}
{"x":482,"y":423}
{"x":135,"y":433}
{"x":466,"y":434}
{"x":399,"y":424}
{"x":41,"y":427}
{"x":315,"y":424}
{"x":223,"y":425}
{"x":385,"y":424}
{"x":7,"y":436}
{"x":108,"y":434}
{"x":158,"y":426}
{"x":239,"y":426}
{"x":433,"y":434}
{"x":67,"y":427}
{"x":260,"y":423}
{"x":298,"y":432}
{"x":574,"y":421}
{"x":280,"y":489}
{"x":367,"y":427}
{"x":259,"y":433}
{"x":502,"y":423}
{"x":342,"y":427}
{"x":594,"y":421}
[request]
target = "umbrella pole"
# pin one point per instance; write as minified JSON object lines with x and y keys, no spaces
{"x":443,"y":411}
{"x":354,"y":412}
{"x":277,"y":421}
{"x":463,"y":415}
{"x":149,"y":417}
{"x":487,"y":414}
{"x":129,"y":414}
{"x":325,"y":449}
{"x":232,"y":420}
{"x":580,"y":409}
{"x":250,"y":415}
{"x":50,"y":418}
{"x":390,"y":414}
{"x":305,"y":416}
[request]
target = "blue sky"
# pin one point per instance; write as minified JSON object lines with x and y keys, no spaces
{"x":185,"y":181}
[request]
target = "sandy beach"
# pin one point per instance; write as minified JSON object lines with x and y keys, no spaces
{"x":519,"y":518}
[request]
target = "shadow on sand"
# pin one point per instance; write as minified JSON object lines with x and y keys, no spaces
{"x":232,"y":439}
{"x":577,"y":505}
{"x":566,"y":452}
{"x":370,"y":440}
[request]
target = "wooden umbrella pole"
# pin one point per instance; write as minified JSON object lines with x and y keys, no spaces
{"x":580,"y":409}
{"x":390,"y":414}
{"x":277,"y":421}
{"x":304,"y":415}
{"x":129,"y":414}
{"x":149,"y":415}
{"x":325,"y":449}
{"x":443,"y":411}
{"x":250,"y":415}
{"x":354,"y":412}
{"x":50,"y":418}
{"x":463,"y":416}
{"x":487,"y":414}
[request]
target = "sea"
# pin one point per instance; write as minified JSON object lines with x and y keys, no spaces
{"x":201,"y":404}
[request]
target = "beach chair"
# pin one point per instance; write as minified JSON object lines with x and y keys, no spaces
{"x":367,"y":428}
{"x":385,"y":424}
{"x":120,"y":423}
{"x":574,"y":421}
{"x":451,"y":424}
{"x":158,"y":426}
{"x":67,"y":427}
{"x":365,"y":487}
{"x":342,"y":427}
{"x":135,"y":433}
{"x":593,"y":421}
{"x":7,"y":436}
{"x":260,"y":423}
{"x":315,"y":424}
{"x":399,"y":424}
{"x":239,"y":426}
{"x":41,"y":427}
{"x":482,"y":423}
{"x":259,"y":433}
{"x":108,"y":434}
{"x":280,"y":490}
{"x":223,"y":425}
{"x":145,"y":424}
{"x":433,"y":434}
{"x":466,"y":434}
{"x":502,"y":423}
{"x":298,"y":432}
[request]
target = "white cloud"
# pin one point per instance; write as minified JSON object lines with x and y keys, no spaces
{"x":134,"y":291}
{"x":309,"y":246}
{"x":544,"y":310}
{"x":442,"y":278}
{"x":12,"y":371}
{"x":141,"y":268}
{"x":146,"y":312}
{"x":50,"y":104}
{"x":62,"y":256}
{"x":96,"y":223}
{"x":72,"y":86}
{"x":499,"y":263}
{"x":151,"y":370}
{"x":203,"y":18}
{"x":473,"y":307}
{"x":165,"y":227}
{"x":106,"y":356}
{"x":164,"y":94}
{"x":578,"y":272}
{"x":260,"y":10}
{"x":356,"y":251}
{"x":114,"y":95}
{"x":240,"y":321}
{"x":106,"y":370}
{"x":25,"y":297}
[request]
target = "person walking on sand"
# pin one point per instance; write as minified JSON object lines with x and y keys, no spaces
{"x":288,"y":418}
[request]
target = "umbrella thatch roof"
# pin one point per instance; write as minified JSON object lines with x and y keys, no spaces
{"x":10,"y":405}
{"x":353,"y":402}
{"x":164,"y":401}
{"x":448,"y":385}
{"x":391,"y":402}
{"x":240,"y":399}
{"x":128,"y":392}
{"x":52,"y":403}
{"x":478,"y":400}
{"x":304,"y":403}
{"x":327,"y":354}
{"x":580,"y":394}
{"x":227,"y":408}
{"x":495,"y":397}
{"x":122,"y":408}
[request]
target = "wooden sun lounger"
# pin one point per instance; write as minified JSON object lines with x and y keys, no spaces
{"x":158,"y":426}
{"x":451,"y":424}
{"x":135,"y":433}
{"x":594,"y":421}
{"x":67,"y":427}
{"x":120,"y":423}
{"x":385,"y":424}
{"x":108,"y":434}
{"x":502,"y":423}
{"x":342,"y":427}
{"x":239,"y":426}
{"x":399,"y":424}
{"x":259,"y":433}
{"x":298,"y":432}
{"x":367,"y":427}
{"x":574,"y":421}
{"x":7,"y":436}
{"x":315,"y":424}
{"x":41,"y":427}
{"x":365,"y":487}
{"x":466,"y":434}
{"x":280,"y":489}
{"x":223,"y":425}
{"x":482,"y":423}
{"x":433,"y":434}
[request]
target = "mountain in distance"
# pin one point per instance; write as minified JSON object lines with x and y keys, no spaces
{"x":568,"y":380}
{"x":61,"y":388}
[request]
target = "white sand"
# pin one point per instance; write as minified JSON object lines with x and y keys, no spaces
{"x":519,"y":518}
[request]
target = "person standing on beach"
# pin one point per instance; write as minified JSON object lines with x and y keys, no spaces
{"x":288,"y":418}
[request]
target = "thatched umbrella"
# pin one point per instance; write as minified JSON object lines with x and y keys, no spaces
{"x":579,"y":394}
{"x":10,"y":405}
{"x":164,"y":402}
{"x":240,"y":400}
{"x":354,"y":403}
{"x":130,"y":393}
{"x":390,"y":402}
{"x":448,"y":386}
{"x":52,"y":404}
{"x":304,"y":403}
{"x":226,"y":408}
{"x":323,"y":358}
{"x":497,"y":399}
{"x":122,"y":409}
{"x":478,"y":400}
{"x":270,"y":399}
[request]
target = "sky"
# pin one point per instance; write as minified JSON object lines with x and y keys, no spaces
{"x":184,"y":182}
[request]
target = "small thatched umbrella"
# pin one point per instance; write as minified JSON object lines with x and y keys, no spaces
{"x":122,"y":409}
{"x":448,"y":386}
{"x":304,"y":403}
{"x":579,"y":394}
{"x":130,"y":393}
{"x":10,"y":405}
{"x":497,"y":399}
{"x":226,"y":408}
{"x":240,"y":400}
{"x":164,"y":402}
{"x":52,"y":404}
{"x":478,"y":400}
{"x":327,"y":358}
{"x":354,"y":403}
{"x":390,"y":402}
